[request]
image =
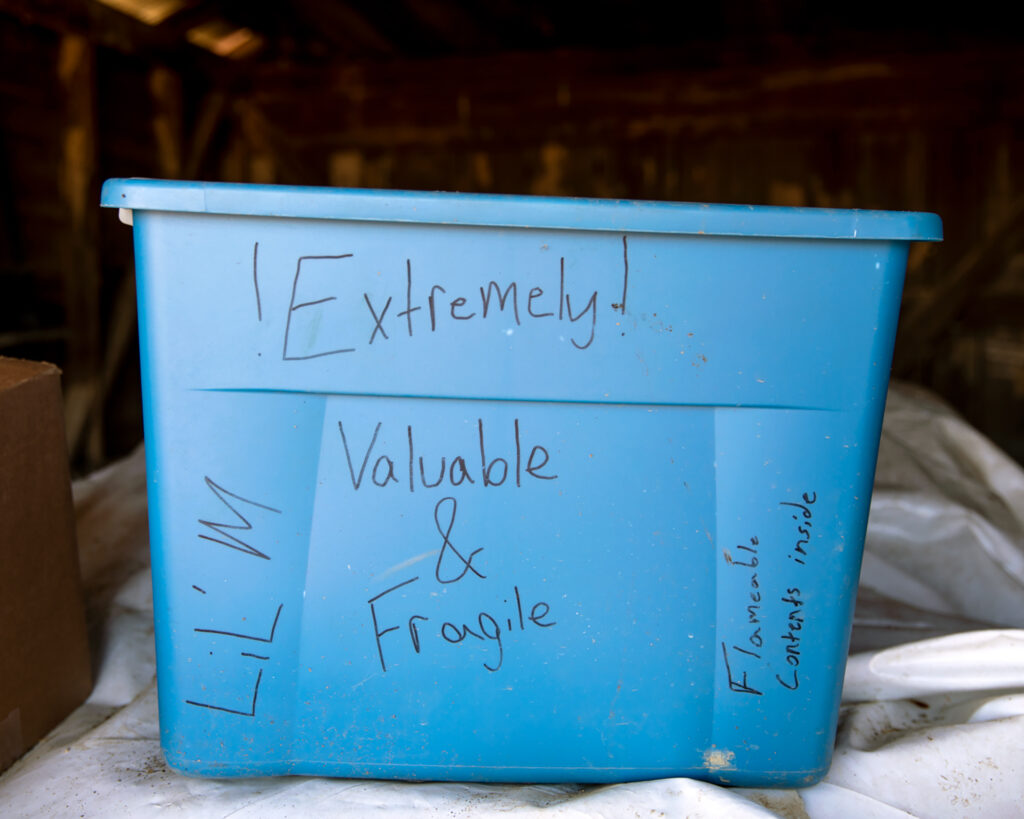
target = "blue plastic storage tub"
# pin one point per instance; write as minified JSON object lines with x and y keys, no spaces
{"x":501,"y":488}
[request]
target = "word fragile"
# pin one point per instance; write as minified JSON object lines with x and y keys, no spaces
{"x":484,"y":627}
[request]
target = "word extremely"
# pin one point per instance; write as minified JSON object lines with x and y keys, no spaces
{"x":370,"y":317}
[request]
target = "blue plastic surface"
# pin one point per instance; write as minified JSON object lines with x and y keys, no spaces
{"x":505,"y":488}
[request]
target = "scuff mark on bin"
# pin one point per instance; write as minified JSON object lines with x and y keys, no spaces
{"x":716,"y":759}
{"x":407,"y":563}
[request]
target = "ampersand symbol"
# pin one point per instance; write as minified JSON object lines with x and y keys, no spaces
{"x":467,"y":563}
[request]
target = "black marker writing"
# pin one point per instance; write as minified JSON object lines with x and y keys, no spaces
{"x":486,"y":295}
{"x":252,"y":708}
{"x":409,"y":309}
{"x":752,"y":597}
{"x":738,"y":684}
{"x":378,"y":632}
{"x":792,"y":638}
{"x":414,"y":634}
{"x":377,"y":319}
{"x":444,"y":528}
{"x":804,"y":517}
{"x":456,"y":469}
{"x":294,"y":308}
{"x":268,"y":639}
{"x":488,"y":630}
{"x":625,"y":275}
{"x":368,"y":315}
{"x":234,"y":542}
{"x":483,"y":626}
{"x":256,"y":280}
{"x":251,"y":712}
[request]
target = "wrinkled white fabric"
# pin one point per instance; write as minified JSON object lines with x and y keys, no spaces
{"x":932,"y":725}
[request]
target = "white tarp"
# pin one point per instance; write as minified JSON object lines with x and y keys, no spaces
{"x":932,"y":725}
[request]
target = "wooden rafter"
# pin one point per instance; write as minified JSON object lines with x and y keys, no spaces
{"x":107,"y":28}
{"x":80,"y":252}
{"x":963,"y":284}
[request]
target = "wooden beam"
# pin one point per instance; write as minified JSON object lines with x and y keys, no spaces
{"x":165,"y":89}
{"x":24,"y":337}
{"x":10,"y":237}
{"x":79,"y":184}
{"x":453,"y":25}
{"x":107,"y":28}
{"x":349,"y":30}
{"x":959,"y":289}
{"x":120,"y":334}
{"x":628,"y":94}
{"x":211,"y":115}
{"x":273,"y":155}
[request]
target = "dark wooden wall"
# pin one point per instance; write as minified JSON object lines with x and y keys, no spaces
{"x":939,"y":129}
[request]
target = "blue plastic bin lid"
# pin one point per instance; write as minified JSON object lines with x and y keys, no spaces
{"x":492,"y":210}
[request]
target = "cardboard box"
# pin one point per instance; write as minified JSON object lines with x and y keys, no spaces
{"x":44,"y":654}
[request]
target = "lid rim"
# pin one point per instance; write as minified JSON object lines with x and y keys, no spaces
{"x":512,"y":211}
